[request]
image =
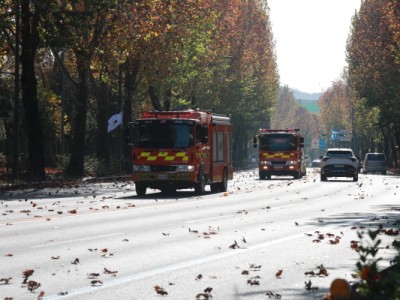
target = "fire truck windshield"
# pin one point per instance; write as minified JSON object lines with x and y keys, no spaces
{"x":163,"y":135}
{"x":278,"y":142}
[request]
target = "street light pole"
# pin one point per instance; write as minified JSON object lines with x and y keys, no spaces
{"x":16,"y":95}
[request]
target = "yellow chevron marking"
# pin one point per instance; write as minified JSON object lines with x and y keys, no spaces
{"x":144,"y":154}
{"x":278,"y":154}
{"x":166,"y":155}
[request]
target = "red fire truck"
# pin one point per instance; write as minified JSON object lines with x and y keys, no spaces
{"x":280,"y":153}
{"x":181,"y":149}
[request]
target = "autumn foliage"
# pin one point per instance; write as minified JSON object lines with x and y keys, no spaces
{"x":92,"y":59}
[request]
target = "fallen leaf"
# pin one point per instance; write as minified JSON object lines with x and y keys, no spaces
{"x":279,"y":273}
{"x":106,"y":271}
{"x":160,"y":291}
{"x":41,"y":295}
{"x":5,"y":280}
{"x":33,"y":285}
{"x":96,"y":282}
{"x":93,"y":275}
{"x":234,"y":245}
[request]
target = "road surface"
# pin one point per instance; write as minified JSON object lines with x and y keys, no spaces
{"x":259,"y":240}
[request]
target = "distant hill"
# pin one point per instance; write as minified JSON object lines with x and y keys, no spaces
{"x":299,"y":95}
{"x":308,"y":101}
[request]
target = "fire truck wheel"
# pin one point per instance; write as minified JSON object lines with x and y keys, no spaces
{"x":200,"y":187}
{"x":140,"y":189}
{"x":214,"y":187}
{"x":262,"y":176}
{"x":223,"y":186}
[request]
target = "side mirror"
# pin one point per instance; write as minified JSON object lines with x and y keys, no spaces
{"x":302,"y":141}
{"x":204,"y":134}
{"x":255,"y":142}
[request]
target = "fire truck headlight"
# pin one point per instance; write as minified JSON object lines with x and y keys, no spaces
{"x":265,"y":162}
{"x":141,"y":168}
{"x":291,"y":162}
{"x":184,"y":168}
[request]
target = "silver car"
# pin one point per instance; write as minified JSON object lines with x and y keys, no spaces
{"x":374,"y":162}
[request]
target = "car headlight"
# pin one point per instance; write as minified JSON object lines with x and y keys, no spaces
{"x":184,"y":168}
{"x":291,"y":162}
{"x":265,"y":162}
{"x":141,"y":168}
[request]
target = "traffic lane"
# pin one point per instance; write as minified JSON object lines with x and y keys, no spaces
{"x":282,"y":192}
{"x":221,"y":269}
{"x":67,"y":232}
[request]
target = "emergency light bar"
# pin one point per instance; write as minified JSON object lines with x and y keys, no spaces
{"x":293,"y":130}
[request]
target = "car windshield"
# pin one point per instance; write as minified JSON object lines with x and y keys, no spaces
{"x":278,"y":142}
{"x":378,"y":156}
{"x":339,"y":154}
{"x":163,"y":135}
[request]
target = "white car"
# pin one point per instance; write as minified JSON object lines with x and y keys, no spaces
{"x":339,"y":162}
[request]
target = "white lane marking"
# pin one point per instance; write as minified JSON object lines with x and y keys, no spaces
{"x":168,"y":269}
{"x":76,"y":240}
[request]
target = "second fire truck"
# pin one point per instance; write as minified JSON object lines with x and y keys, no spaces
{"x":280,"y":153}
{"x":181,"y":149}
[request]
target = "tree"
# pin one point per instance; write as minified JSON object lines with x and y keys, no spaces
{"x":335,"y":107}
{"x":374,"y":68}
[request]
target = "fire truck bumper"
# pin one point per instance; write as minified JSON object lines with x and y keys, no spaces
{"x":268,"y":171}
{"x":163,"y":180}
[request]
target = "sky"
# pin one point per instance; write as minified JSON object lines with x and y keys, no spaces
{"x":310,"y":37}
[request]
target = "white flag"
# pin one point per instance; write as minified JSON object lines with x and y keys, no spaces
{"x":114,"y":121}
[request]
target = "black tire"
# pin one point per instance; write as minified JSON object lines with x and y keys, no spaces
{"x":296,"y":175}
{"x":223,"y":185}
{"x":214,"y":187}
{"x":323,"y":178}
{"x":200,"y":187}
{"x":140,"y":189}
{"x":269,"y":177}
{"x":384,"y":173}
{"x":262,"y":175}
{"x":355,"y":178}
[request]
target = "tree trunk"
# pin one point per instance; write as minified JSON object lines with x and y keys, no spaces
{"x":30,"y":40}
{"x":167,"y":100}
{"x":154,"y":98}
{"x":130,"y":85}
{"x":103,"y":149}
{"x":76,"y":164}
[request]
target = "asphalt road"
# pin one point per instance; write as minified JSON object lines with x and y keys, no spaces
{"x":259,"y":240}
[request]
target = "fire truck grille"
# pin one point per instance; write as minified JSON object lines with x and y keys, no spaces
{"x":278,"y":162}
{"x":162,"y":168}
